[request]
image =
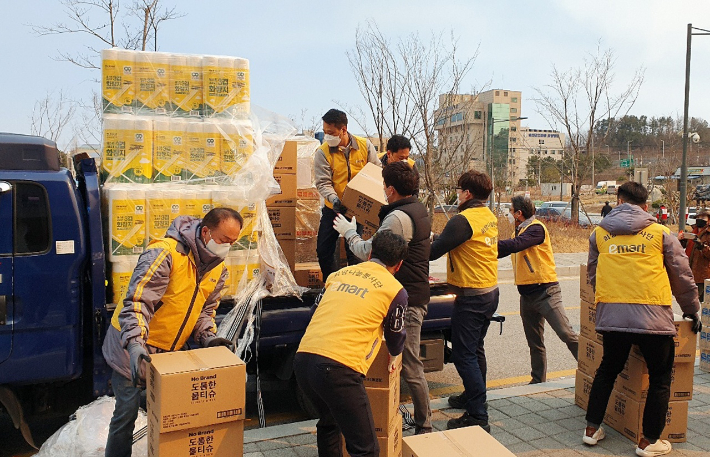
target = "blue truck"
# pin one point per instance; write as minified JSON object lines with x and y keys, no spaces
{"x":54,"y":309}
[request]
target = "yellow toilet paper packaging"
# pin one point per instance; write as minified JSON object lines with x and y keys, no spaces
{"x":169,"y":151}
{"x":127,"y":149}
{"x":164,"y":204}
{"x":151,"y":73}
{"x":117,"y":80}
{"x":225,"y":196}
{"x":195,"y":201}
{"x":127,"y":220}
{"x":237,"y":144}
{"x":243,"y":97}
{"x":121,"y":273}
{"x":219,"y":83}
{"x":186,"y":92}
{"x":202,"y":152}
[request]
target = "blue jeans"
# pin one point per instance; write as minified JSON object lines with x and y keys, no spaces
{"x":469,"y":325}
{"x":120,"y":432}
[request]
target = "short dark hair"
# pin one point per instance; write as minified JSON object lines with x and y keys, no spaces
{"x":402,"y":177}
{"x":524,"y":205}
{"x":398,"y":142}
{"x":216,"y":215}
{"x":336,"y":118}
{"x":632,"y":192}
{"x":703,"y":213}
{"x":606,"y":203}
{"x":476,"y":182}
{"x":388,"y":248}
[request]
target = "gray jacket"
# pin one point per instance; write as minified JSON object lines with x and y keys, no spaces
{"x":398,"y":222}
{"x":626,"y":219}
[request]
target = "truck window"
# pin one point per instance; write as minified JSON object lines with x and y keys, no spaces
{"x":32,"y":223}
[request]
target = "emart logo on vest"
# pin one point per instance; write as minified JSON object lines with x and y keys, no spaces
{"x":349,"y":289}
{"x":627,"y":248}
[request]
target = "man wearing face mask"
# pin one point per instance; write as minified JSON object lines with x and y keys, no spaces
{"x":398,"y":149}
{"x":698,"y":250}
{"x":173,"y":294}
{"x":536,"y":278}
{"x":338,"y":160}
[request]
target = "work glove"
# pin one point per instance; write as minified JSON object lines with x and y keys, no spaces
{"x":137,"y":353}
{"x":214,"y":342}
{"x":697,"y":325}
{"x":342,"y":225}
{"x":338,"y":207}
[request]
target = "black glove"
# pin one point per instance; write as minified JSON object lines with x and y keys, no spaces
{"x":214,"y":342}
{"x":697,"y":325}
{"x":137,"y":353}
{"x":338,"y":207}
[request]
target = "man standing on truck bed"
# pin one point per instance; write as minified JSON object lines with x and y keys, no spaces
{"x":536,"y":278}
{"x":471,"y":239}
{"x":338,"y":160}
{"x":173,"y":294}
{"x":398,"y":149}
{"x":361,"y":304}
{"x":406,"y":216}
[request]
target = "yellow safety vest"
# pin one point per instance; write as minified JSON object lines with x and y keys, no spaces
{"x":347,"y":325}
{"x":474,"y":263}
{"x":630,"y":267}
{"x":535,"y":265}
{"x":344,"y":171}
{"x":410,"y":162}
{"x":172,"y":324}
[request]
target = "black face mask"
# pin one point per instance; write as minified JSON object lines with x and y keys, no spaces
{"x":701,"y":223}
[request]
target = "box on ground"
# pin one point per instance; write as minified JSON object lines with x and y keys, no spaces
{"x":287,"y":196}
{"x":705,"y":314}
{"x":364,"y":196}
{"x":586,"y":292}
{"x":633,"y":380}
{"x":385,"y":406}
{"x":461,"y":442}
{"x":582,"y":387}
{"x":588,"y":321}
{"x":685,"y":341}
{"x":308,"y":275}
{"x":220,"y":440}
{"x":283,"y":220}
{"x":390,"y":445}
{"x":188,"y":389}
{"x":288,"y":160}
{"x":626,"y":417}
{"x":589,"y":356}
{"x":431,"y":353}
{"x":378,"y":375}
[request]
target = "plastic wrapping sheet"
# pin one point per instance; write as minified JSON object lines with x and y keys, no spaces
{"x":121,"y":273}
{"x":86,"y":434}
{"x":308,"y":214}
{"x":126,"y":206}
{"x":127,"y":149}
{"x":306,"y":152}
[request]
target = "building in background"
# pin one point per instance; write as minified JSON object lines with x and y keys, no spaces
{"x":534,"y":142}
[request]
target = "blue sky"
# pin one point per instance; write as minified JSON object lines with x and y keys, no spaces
{"x":297,"y":50}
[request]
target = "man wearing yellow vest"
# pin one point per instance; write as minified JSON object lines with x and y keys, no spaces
{"x":361,"y":305}
{"x":398,"y":149}
{"x":471,"y":239}
{"x":536,"y":278}
{"x":338,"y":160}
{"x":634,"y":265}
{"x":173,"y":294}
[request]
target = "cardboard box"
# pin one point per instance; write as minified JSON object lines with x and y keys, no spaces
{"x":220,"y":440}
{"x":586,"y":292}
{"x":287,"y":196}
{"x":431,"y":353}
{"x":385,"y":406}
{"x":309,"y":275}
{"x":364,"y":196}
{"x":625,"y":415}
{"x":289,"y":249}
{"x":461,"y":442}
{"x":188,"y":389}
{"x":288,"y":160}
{"x":685,"y":341}
{"x":590,"y":356}
{"x":705,"y":360}
{"x":588,"y":321}
{"x":390,"y":445}
{"x":706,"y":295}
{"x":704,"y":339}
{"x":378,"y":375}
{"x":310,"y":193}
{"x":633,"y":380}
{"x":283,"y":220}
{"x":367,"y":232}
{"x":582,"y":387}
{"x":705,"y":314}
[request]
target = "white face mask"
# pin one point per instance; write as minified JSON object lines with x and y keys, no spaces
{"x":511,"y":218}
{"x":387,"y":197}
{"x":219,"y":249}
{"x":332,"y":140}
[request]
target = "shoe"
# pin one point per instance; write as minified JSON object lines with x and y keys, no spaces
{"x":422,"y":431}
{"x":593,"y":435}
{"x":467,"y":421}
{"x":458,"y":402}
{"x":646,"y":449}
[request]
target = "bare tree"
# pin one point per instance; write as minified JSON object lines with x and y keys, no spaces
{"x":576,"y":99}
{"x":51,"y":115}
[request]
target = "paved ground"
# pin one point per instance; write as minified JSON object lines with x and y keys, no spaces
{"x":531,"y":421}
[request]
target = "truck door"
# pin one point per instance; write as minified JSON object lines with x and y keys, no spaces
{"x":6,"y":230}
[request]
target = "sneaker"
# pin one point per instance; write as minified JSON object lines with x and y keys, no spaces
{"x":422,"y":431}
{"x":646,"y":449}
{"x":457,"y":401}
{"x":593,"y":435}
{"x":467,"y":421}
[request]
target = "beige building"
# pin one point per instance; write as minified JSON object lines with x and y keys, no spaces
{"x":529,"y":142}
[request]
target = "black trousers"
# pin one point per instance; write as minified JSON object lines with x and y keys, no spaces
{"x":338,"y":394}
{"x":328,"y":241}
{"x":659,"y":352}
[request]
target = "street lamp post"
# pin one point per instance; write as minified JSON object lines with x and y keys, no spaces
{"x":684,"y":163}
{"x":663,"y":149}
{"x":491,"y":198}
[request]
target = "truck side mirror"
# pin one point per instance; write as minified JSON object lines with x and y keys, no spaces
{"x":5,"y":187}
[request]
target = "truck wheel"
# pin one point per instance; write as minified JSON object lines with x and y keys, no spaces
{"x":304,"y":402}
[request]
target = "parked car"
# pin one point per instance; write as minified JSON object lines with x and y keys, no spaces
{"x":445,"y":209}
{"x":554,"y":204}
{"x":548,"y":213}
{"x":611,"y":190}
{"x":565,"y":216}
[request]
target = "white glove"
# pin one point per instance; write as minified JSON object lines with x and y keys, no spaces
{"x":341,"y":224}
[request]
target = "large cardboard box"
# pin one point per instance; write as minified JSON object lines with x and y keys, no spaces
{"x":288,"y":160}
{"x":309,"y":275}
{"x":385,"y":406}
{"x":289,"y":249}
{"x":283,"y":220}
{"x":287,"y":196}
{"x":705,"y":360}
{"x":461,"y":442}
{"x":364,"y":196}
{"x":431,"y":353}
{"x":220,"y":440}
{"x":586,"y":292}
{"x":633,"y":380}
{"x":582,"y":387}
{"x":685,"y":341}
{"x":590,"y":356}
{"x":390,"y":445}
{"x":588,"y":322}
{"x":378,"y":375}
{"x":308,"y":193}
{"x":188,"y":389}
{"x":626,"y":416}
{"x":705,"y":314}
